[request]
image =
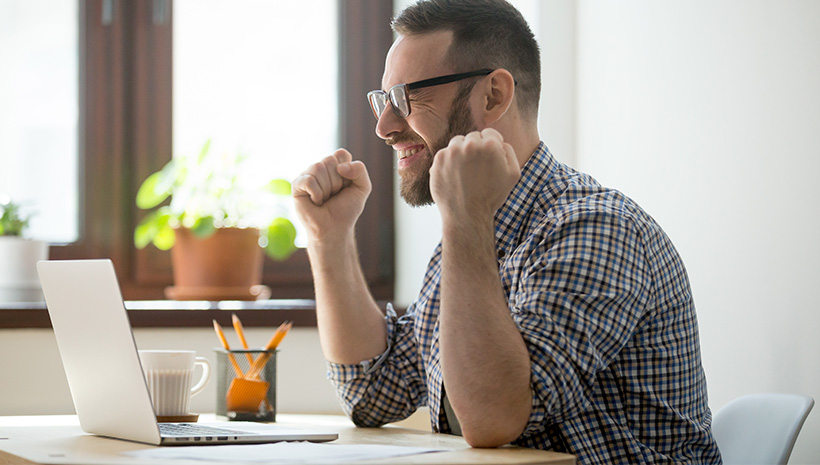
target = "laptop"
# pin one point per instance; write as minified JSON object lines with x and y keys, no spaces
{"x":103,"y":369}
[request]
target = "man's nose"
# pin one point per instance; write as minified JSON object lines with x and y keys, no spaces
{"x":389,"y":123}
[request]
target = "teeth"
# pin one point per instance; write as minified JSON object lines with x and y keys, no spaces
{"x":406,"y":153}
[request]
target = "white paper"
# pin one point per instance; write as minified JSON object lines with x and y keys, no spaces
{"x":281,"y":452}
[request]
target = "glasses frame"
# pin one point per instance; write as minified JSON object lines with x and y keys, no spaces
{"x":391,"y":95}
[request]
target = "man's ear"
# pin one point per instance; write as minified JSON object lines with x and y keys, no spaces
{"x":498,"y":90}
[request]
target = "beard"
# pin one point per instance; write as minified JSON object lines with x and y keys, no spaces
{"x":415,"y":188}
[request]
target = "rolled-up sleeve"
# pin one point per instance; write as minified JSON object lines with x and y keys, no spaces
{"x":578,"y":303}
{"x":385,"y":388}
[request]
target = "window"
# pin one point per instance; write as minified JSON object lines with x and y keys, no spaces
{"x":38,"y":116}
{"x":279,"y":95}
{"x":283,"y":80}
{"x":125,"y":133}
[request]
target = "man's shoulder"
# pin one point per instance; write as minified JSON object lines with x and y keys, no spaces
{"x":570,"y":192}
{"x":570,"y":196}
{"x":564,"y":196}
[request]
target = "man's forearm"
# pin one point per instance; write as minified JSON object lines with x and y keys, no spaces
{"x":485,"y":362}
{"x":351,"y":326}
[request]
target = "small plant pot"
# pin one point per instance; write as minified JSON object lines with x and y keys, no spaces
{"x":19,"y":281}
{"x":224,"y":266}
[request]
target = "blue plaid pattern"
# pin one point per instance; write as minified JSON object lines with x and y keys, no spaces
{"x":603,"y":302}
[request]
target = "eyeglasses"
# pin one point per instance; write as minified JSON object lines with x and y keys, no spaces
{"x":399,"y":95}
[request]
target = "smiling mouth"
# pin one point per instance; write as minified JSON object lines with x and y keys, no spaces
{"x":408,"y":151}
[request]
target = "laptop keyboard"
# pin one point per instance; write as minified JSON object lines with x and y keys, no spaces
{"x":192,"y":429}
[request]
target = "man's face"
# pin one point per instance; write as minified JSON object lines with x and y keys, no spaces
{"x":436,"y":113}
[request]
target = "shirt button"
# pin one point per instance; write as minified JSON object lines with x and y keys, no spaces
{"x":501,"y":253}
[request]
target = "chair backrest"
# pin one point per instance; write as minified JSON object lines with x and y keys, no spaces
{"x":760,"y":428}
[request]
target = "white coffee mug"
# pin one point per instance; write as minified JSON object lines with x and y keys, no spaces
{"x":169,"y":375}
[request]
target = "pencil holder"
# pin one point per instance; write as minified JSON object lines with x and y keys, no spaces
{"x":246,"y":384}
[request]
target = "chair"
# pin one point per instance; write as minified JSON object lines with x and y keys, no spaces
{"x":760,"y":428}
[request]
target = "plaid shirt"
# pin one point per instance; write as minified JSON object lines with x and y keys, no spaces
{"x":602,"y":301}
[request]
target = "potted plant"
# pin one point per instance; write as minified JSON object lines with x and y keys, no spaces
{"x":217,"y":224}
{"x":19,"y":255}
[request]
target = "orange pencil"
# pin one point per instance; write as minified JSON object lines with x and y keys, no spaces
{"x":240,"y":332}
{"x":225,"y":345}
{"x":280,"y":333}
{"x":272,"y":344}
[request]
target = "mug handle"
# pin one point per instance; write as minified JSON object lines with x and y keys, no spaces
{"x":206,"y":374}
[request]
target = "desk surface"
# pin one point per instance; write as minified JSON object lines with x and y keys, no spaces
{"x":59,"y":440}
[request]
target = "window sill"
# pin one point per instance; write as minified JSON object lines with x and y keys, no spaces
{"x":178,"y":314}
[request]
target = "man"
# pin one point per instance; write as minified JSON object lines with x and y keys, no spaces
{"x":555,"y":313}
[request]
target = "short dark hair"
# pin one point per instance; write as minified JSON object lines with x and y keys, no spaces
{"x":486,"y":34}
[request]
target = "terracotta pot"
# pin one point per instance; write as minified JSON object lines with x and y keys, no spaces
{"x":224,"y":266}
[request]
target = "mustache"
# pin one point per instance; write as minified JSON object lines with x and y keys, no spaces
{"x":405,"y":138}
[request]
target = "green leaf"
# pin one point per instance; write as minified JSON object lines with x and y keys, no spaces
{"x":281,"y":235}
{"x":144,"y":233}
{"x":12,"y":221}
{"x":152,"y":227}
{"x":204,"y":227}
{"x":204,"y":152}
{"x":165,"y":237}
{"x":151,"y":192}
{"x":279,"y":187}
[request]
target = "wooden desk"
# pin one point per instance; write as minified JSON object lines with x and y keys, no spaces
{"x":27,"y":440}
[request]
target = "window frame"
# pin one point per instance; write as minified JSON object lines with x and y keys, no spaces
{"x":125,"y":133}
